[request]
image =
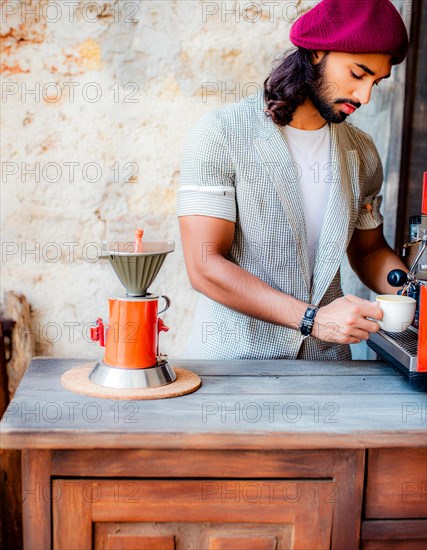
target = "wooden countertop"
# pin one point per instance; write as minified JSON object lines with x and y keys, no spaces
{"x":241,"y":405}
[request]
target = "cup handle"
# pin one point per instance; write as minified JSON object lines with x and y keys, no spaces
{"x":167,"y":304}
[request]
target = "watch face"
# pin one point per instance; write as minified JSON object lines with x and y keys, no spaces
{"x":310,"y":313}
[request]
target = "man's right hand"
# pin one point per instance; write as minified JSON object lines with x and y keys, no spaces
{"x":344,"y":321}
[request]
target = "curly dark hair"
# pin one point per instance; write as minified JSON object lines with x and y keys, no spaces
{"x":289,"y":83}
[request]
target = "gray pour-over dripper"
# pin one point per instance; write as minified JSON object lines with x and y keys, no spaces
{"x":136,"y":264}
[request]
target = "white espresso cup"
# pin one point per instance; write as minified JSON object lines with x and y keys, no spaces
{"x":398,"y":312}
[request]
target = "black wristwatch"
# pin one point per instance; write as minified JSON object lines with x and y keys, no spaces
{"x":306,"y":325}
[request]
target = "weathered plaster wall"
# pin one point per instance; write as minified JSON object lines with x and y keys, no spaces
{"x":96,"y":100}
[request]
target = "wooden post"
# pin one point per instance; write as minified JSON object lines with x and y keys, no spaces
{"x":36,"y":498}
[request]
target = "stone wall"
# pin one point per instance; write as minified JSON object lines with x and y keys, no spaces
{"x":96,"y":100}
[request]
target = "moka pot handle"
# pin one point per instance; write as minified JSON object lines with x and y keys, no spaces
{"x":167,"y":304}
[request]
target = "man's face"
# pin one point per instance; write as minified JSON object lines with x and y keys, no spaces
{"x":345,"y":82}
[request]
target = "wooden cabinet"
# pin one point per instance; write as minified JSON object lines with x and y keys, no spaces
{"x":196,"y":514}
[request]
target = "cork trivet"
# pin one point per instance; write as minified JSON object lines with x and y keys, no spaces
{"x":77,"y":380}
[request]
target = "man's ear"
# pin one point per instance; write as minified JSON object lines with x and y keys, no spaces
{"x":317,"y":56}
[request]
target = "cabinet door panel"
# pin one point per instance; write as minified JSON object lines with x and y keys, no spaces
{"x":397,"y":483}
{"x":200,"y":536}
{"x":304,"y":507}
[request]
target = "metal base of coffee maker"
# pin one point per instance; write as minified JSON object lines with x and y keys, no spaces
{"x":152,"y":377}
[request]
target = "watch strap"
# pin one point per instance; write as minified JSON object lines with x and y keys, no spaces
{"x":306,"y":325}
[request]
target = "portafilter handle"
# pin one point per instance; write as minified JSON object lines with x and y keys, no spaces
{"x":397,"y":277}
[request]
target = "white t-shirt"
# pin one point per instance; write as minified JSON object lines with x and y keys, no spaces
{"x":311,"y":152}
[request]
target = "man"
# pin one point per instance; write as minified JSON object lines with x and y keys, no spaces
{"x":278,"y":187}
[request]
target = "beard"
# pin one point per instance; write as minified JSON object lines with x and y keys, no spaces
{"x":319,"y":93}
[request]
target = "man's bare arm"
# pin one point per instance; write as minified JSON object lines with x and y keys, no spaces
{"x":372,"y":259}
{"x":206,"y":242}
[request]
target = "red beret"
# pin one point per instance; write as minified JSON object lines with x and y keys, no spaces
{"x":354,"y":26}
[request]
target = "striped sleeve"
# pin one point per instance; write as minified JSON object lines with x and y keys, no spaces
{"x":207,"y":172}
{"x":370,"y":216}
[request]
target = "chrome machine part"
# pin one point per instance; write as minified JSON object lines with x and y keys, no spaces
{"x":411,"y":278}
{"x":152,"y":377}
{"x":399,"y":347}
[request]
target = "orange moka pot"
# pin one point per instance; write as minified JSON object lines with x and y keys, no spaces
{"x":131,"y":338}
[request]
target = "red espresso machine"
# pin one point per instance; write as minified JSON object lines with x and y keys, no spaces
{"x":131,"y":336}
{"x":408,"y":350}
